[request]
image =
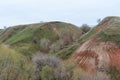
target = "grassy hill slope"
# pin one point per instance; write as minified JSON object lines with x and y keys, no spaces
{"x":47,"y":37}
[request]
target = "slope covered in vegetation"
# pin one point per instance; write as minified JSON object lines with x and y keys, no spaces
{"x":47,"y":37}
{"x":15,"y":66}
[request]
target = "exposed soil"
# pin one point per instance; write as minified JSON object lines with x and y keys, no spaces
{"x":93,"y":56}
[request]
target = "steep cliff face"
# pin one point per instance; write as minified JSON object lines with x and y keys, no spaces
{"x":101,"y":51}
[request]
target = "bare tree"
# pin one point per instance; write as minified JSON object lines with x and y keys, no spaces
{"x":52,"y":62}
{"x":85,"y":28}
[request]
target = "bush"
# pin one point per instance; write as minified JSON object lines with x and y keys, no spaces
{"x":14,"y":66}
{"x":85,"y":28}
{"x":50,"y":67}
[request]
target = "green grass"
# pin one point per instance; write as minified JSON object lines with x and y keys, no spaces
{"x":23,"y":34}
{"x":109,"y":37}
{"x":111,"y":32}
{"x":47,"y":33}
{"x":10,"y":32}
{"x":86,"y":36}
{"x":67,"y":52}
{"x":20,"y":36}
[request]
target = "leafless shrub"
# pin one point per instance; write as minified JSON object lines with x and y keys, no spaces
{"x":85,"y":28}
{"x":42,"y":60}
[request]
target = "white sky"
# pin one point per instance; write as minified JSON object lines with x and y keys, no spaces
{"x":15,"y":12}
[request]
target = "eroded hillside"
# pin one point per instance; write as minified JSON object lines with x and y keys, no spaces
{"x":101,"y":51}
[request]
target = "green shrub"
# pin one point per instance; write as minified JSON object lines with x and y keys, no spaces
{"x":14,"y":66}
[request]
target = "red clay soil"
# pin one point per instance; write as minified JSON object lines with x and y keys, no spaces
{"x":86,"y":60}
{"x":92,"y":56}
{"x":115,"y":58}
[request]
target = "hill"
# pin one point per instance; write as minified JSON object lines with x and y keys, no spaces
{"x":61,"y":51}
{"x":100,"y":52}
{"x":47,"y":37}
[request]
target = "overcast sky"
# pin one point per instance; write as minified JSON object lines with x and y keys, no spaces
{"x":15,"y":12}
